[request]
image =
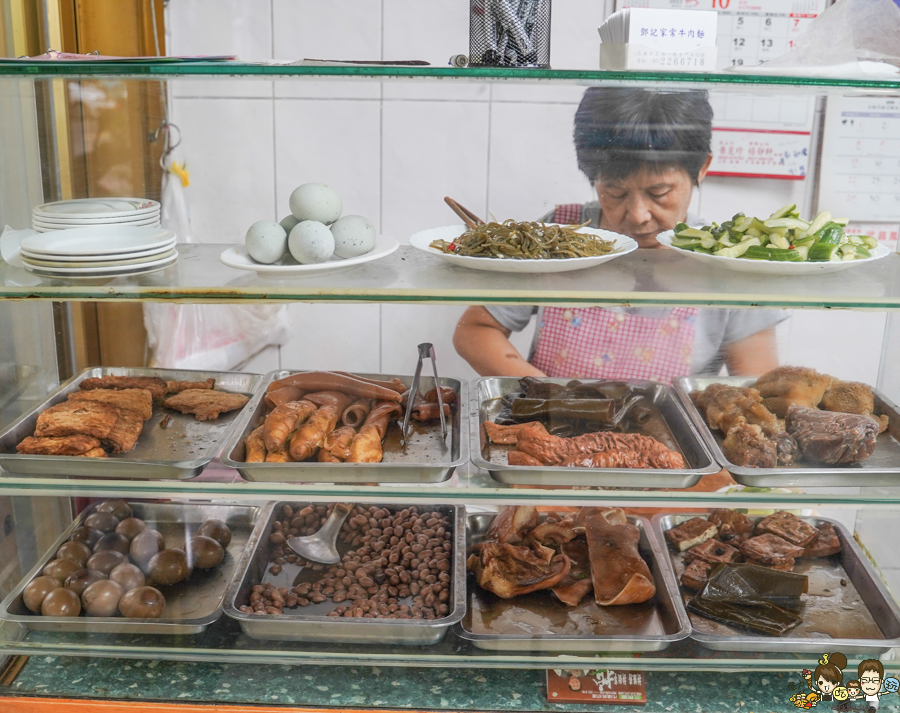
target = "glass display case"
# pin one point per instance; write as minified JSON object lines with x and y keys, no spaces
{"x":396,"y":139}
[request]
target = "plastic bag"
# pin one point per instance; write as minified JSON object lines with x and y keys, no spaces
{"x":210,"y":337}
{"x":850,"y":31}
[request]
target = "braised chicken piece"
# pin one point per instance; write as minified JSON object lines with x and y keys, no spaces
{"x":508,"y":434}
{"x":831,"y":437}
{"x":746,"y":445}
{"x":509,"y":570}
{"x":853,"y":397}
{"x":788,"y":385}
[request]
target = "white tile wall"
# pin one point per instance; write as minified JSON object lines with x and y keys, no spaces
{"x":431,"y":150}
{"x":394,"y":150}
{"x":228,"y":146}
{"x":337,"y":29}
{"x":220,"y":27}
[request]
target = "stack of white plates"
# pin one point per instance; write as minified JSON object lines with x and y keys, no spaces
{"x":84,"y":212}
{"x":100,"y":251}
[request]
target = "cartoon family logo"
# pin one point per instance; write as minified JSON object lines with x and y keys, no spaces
{"x":826,"y":685}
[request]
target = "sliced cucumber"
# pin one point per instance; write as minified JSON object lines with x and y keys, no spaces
{"x":784,"y":211}
{"x":779,"y":241}
{"x":786,"y":223}
{"x":737,"y":250}
{"x":693,"y":233}
{"x":819,"y":222}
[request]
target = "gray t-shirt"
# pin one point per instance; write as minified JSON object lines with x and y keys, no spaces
{"x":713,"y":329}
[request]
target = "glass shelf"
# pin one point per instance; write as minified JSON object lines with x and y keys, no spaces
{"x":169,"y":69}
{"x":224,"y":642}
{"x":469,"y":486}
{"x":645,"y":277}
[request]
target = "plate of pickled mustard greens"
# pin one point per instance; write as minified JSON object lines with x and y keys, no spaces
{"x":529,"y":247}
{"x":781,"y":244}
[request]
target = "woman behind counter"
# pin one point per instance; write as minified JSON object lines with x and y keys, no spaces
{"x":643,"y":152}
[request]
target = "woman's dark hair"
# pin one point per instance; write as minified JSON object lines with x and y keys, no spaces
{"x":832,"y":671}
{"x":619,"y":130}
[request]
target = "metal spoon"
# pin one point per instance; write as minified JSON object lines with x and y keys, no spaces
{"x":321,"y":546}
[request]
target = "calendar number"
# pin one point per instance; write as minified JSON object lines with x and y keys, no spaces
{"x":721,"y":4}
{"x":766,"y":43}
{"x":737,"y":62}
{"x":738,"y":41}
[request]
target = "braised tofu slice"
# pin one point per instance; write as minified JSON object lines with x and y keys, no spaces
{"x":690,"y":533}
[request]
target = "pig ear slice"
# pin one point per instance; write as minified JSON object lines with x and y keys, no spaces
{"x":619,"y":573}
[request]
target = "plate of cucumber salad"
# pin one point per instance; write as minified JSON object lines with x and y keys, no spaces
{"x":781,"y":244}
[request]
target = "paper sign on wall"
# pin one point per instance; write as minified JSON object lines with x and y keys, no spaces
{"x":861,"y":158}
{"x":760,"y":154}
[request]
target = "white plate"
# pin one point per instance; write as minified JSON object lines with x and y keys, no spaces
{"x":237,"y":257}
{"x":77,"y":223}
{"x":422,"y":240}
{"x":86,"y":265}
{"x":101,"y":271}
{"x":83,"y":208}
{"x":79,"y":259}
{"x":767,"y":267}
{"x":44,"y":228}
{"x":99,"y":240}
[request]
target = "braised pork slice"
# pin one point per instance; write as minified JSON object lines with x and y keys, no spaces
{"x":577,"y":583}
{"x":509,"y":570}
{"x":553,"y":533}
{"x":825,"y":543}
{"x":695,"y":574}
{"x":831,"y":437}
{"x":619,"y":573}
{"x":788,"y":527}
{"x":734,"y":527}
{"x":512,"y":524}
{"x":713,"y":551}
{"x":769,"y":549}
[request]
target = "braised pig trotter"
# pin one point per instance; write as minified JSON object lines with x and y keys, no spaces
{"x":830,"y":437}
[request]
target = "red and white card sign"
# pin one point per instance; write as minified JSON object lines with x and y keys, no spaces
{"x":600,"y":686}
{"x":748,"y":153}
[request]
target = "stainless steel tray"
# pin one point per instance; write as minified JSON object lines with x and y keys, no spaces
{"x":486,"y":403}
{"x":421,"y":460}
{"x":180,"y":451}
{"x":882,"y":468}
{"x":835,"y":616}
{"x":549,"y":625}
{"x":313,"y":624}
{"x":191,"y":606}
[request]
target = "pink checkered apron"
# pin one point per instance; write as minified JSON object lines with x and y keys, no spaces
{"x":594,"y":343}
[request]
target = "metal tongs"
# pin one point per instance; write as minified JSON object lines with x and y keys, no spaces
{"x":426,"y":351}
